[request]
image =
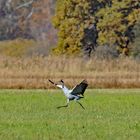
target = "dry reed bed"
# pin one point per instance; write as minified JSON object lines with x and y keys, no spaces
{"x":34,"y":72}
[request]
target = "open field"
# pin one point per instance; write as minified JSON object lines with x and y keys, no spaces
{"x":31,"y":73}
{"x":111,"y":114}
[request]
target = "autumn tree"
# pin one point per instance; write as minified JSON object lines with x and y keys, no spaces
{"x":136,"y":44}
{"x":86,"y":24}
{"x":14,"y":15}
{"x":71,"y":18}
{"x":116,"y":22}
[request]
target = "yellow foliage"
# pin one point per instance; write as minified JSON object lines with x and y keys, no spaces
{"x":71,"y":18}
{"x":16,"y":48}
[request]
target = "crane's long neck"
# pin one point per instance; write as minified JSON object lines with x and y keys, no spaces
{"x":64,"y":89}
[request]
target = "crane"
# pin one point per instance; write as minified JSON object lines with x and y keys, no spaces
{"x":75,"y":94}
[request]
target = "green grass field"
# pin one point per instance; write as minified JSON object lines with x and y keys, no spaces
{"x":32,"y":115}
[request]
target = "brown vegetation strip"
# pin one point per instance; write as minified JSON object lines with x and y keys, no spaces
{"x":34,"y":72}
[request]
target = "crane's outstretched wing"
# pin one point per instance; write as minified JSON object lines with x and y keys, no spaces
{"x":80,"y":88}
{"x":52,"y":82}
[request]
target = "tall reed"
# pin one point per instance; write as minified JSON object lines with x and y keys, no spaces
{"x":34,"y":72}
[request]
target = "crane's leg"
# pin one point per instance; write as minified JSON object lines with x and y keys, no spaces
{"x":64,"y":105}
{"x":80,"y":104}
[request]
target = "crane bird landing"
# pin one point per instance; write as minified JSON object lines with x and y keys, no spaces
{"x":74,"y":94}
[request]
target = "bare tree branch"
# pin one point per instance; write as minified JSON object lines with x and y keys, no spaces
{"x":24,"y":4}
{"x":30,"y":14}
{"x":8,"y":3}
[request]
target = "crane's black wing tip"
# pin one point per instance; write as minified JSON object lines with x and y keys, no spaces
{"x":84,"y":82}
{"x":80,"y":88}
{"x":50,"y":81}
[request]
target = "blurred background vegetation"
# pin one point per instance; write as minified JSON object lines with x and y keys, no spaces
{"x":97,"y":40}
{"x":102,"y":28}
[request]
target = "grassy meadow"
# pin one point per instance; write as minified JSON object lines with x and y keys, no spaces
{"x":110,"y":114}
